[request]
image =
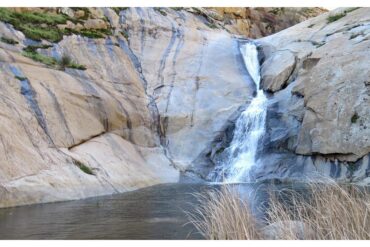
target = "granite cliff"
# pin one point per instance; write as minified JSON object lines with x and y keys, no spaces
{"x":97,"y":101}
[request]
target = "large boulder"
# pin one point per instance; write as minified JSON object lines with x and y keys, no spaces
{"x":324,"y":113}
{"x":276,"y":70}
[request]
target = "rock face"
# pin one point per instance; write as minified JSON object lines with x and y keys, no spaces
{"x":54,"y":123}
{"x":153,"y":97}
{"x":276,"y":70}
{"x":196,"y":97}
{"x":260,"y":22}
{"x":149,"y":92}
{"x":320,"y":123}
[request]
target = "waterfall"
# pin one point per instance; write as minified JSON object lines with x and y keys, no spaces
{"x":249,"y":127}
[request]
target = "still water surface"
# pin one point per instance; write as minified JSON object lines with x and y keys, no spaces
{"x":155,"y":212}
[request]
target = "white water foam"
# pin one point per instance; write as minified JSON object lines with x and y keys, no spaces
{"x":249,"y":127}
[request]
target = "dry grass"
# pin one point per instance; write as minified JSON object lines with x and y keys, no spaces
{"x":331,"y":211}
{"x":223,"y":215}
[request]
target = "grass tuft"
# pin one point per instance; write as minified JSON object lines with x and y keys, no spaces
{"x":223,"y":215}
{"x":63,"y":63}
{"x":325,"y":212}
{"x":83,"y":167}
{"x":50,"y":61}
{"x":9,"y":41}
{"x":43,"y":26}
{"x":36,"y":26}
{"x":336,"y":17}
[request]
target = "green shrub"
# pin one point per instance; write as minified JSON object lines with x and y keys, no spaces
{"x":67,"y":62}
{"x":30,"y":24}
{"x":211,"y":25}
{"x":177,"y":8}
{"x":351,"y":9}
{"x":40,"y":58}
{"x":119,"y":9}
{"x":83,"y":167}
{"x":41,"y":18}
{"x":336,"y":17}
{"x":39,"y":33}
{"x":63,"y":63}
{"x":39,"y":26}
{"x":161,"y":11}
{"x":8,"y":41}
{"x":354,"y":118}
{"x":91,"y":34}
{"x":20,"y":78}
{"x":74,"y":65}
{"x":33,"y":48}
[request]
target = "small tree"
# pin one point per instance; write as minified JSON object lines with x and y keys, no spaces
{"x":65,"y":61}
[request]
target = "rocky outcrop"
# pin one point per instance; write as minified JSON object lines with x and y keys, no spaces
{"x":97,"y":101}
{"x":260,"y":22}
{"x":276,"y":70}
{"x":321,"y":121}
{"x":76,"y":133}
{"x":132,"y":109}
{"x":195,"y":98}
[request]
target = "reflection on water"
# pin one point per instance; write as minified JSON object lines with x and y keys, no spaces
{"x":156,"y":212}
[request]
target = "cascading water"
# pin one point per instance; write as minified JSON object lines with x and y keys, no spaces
{"x":249,"y":128}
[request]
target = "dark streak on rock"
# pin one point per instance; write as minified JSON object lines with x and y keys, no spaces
{"x":95,"y":102}
{"x":153,"y":109}
{"x":30,"y":94}
{"x":6,"y":151}
{"x":333,"y":170}
{"x":180,"y":44}
{"x":134,"y":60}
{"x":160,"y":76}
{"x":197,"y":84}
{"x":59,"y":111}
{"x":128,"y":119}
{"x":140,"y":12}
{"x":86,"y":140}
